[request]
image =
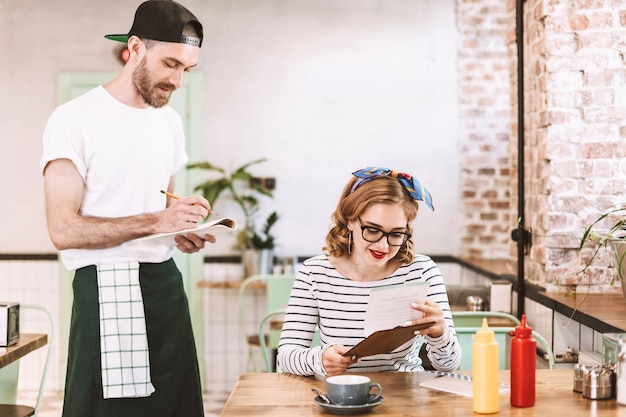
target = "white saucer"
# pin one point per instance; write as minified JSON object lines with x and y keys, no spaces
{"x":347,"y":409}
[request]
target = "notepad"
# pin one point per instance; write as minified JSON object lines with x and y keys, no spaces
{"x":212,"y":227}
{"x":456,"y":386}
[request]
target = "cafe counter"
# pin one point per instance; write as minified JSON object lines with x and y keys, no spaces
{"x":604,"y":313}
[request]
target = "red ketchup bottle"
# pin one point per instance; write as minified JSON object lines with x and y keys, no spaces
{"x":523,"y":364}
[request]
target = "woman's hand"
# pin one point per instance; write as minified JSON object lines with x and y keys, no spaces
{"x":334,"y":362}
{"x":431,"y":312}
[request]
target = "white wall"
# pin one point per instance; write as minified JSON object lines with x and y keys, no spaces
{"x":319,"y":87}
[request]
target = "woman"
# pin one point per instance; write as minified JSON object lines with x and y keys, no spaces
{"x":369,"y":246}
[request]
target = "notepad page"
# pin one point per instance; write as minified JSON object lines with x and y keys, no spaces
{"x":455,"y":386}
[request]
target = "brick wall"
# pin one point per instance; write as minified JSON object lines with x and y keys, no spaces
{"x":575,"y":83}
{"x":575,"y":125}
{"x":485,"y":113}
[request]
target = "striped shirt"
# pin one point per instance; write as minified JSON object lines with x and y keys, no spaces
{"x":322,"y":297}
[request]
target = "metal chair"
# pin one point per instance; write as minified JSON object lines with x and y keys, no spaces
{"x":277,"y":289}
{"x":274,"y":338}
{"x":475,"y":318}
{"x":15,"y":410}
{"x":265,"y":343}
{"x":467,"y":323}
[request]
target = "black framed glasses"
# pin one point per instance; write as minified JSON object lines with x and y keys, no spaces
{"x":374,"y":234}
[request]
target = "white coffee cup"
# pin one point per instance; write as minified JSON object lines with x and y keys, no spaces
{"x":351,"y":389}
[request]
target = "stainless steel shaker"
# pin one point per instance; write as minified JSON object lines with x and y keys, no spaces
{"x":597,"y":383}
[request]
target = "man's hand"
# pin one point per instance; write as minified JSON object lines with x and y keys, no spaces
{"x":183,"y":213}
{"x":192,"y":243}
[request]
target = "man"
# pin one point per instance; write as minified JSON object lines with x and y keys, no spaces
{"x":106,"y":157}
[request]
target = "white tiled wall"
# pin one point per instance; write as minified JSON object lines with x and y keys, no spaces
{"x":225,"y":351}
{"x":561,"y":331}
{"x":570,"y":333}
{"x":37,"y":283}
{"x":457,"y":275}
{"x":539,"y":318}
{"x":451,"y":272}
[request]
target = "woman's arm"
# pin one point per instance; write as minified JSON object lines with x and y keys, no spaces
{"x":444,"y":350}
{"x":295,"y":354}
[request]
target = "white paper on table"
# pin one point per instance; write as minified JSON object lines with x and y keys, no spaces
{"x":457,"y":386}
{"x":389,"y":307}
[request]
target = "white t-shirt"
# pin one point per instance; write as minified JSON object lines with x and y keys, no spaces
{"x":125,"y":155}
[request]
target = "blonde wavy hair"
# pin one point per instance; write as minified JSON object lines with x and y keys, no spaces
{"x":378,"y":190}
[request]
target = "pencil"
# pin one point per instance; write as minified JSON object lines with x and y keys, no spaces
{"x":175,"y":197}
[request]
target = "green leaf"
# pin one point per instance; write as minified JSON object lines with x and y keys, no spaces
{"x":245,"y":194}
{"x":205,"y":165}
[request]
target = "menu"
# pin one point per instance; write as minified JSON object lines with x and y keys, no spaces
{"x":389,"y":307}
{"x":385,"y":341}
{"x":387,"y":310}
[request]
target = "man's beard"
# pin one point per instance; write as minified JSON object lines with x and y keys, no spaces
{"x":144,"y":85}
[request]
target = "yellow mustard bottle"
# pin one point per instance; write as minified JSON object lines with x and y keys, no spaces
{"x":485,"y":371}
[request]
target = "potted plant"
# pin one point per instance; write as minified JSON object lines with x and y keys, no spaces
{"x":256,"y":243}
{"x":615,"y":237}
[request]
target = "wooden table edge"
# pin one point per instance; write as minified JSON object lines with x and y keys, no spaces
{"x":27,"y":343}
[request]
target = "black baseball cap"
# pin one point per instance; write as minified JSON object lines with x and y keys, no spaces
{"x":162,"y":20}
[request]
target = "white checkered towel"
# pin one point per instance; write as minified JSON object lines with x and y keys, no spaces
{"x":123,"y":339}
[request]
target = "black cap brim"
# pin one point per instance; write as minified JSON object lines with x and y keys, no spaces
{"x":118,"y":38}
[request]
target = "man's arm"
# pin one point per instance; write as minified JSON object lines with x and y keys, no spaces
{"x":68,"y":229}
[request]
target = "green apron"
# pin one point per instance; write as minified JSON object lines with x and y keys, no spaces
{"x":173,"y":361}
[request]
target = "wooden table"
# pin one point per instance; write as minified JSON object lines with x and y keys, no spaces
{"x":26,"y":344}
{"x":282,"y":395}
{"x":9,"y":365}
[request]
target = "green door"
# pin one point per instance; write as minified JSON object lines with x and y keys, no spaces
{"x":187,"y":101}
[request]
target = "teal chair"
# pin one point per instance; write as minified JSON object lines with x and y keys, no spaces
{"x":475,"y":318}
{"x":272,"y":340}
{"x":275,"y":337}
{"x":278,"y":292}
{"x":467,"y":323}
{"x":277,"y":289}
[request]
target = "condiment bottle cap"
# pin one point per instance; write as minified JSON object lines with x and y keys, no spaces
{"x":484,"y":334}
{"x":523,"y":330}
